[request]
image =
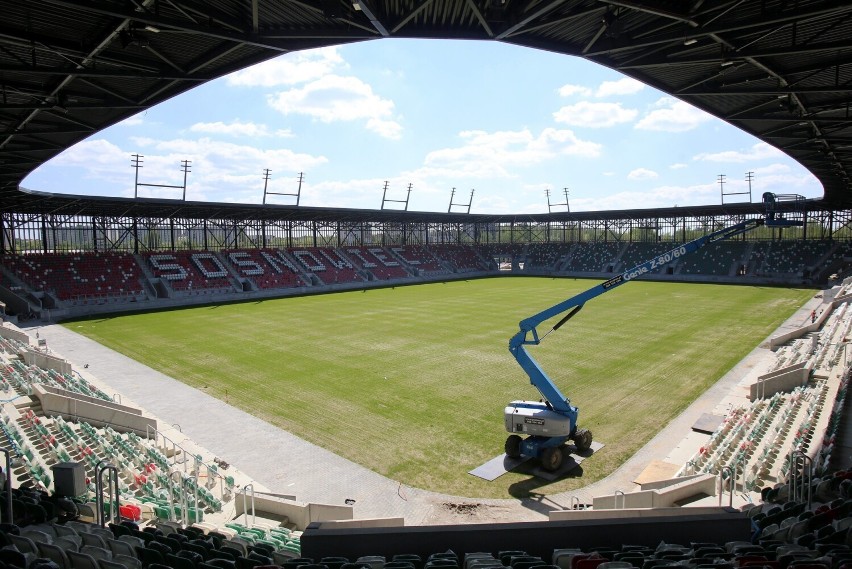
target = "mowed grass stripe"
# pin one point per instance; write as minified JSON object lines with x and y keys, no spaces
{"x":412,"y":381}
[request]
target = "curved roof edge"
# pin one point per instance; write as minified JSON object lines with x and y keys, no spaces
{"x":26,"y":201}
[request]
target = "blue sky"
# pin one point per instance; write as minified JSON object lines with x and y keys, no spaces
{"x":506,"y":121}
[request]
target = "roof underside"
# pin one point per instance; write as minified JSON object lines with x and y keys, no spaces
{"x":779,"y":70}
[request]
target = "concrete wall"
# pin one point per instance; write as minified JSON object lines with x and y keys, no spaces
{"x":780,"y":380}
{"x":782,"y":339}
{"x":365,"y":523}
{"x":633,"y":513}
{"x":536,"y":538}
{"x":12,"y":333}
{"x":299,"y":513}
{"x":659,"y":498}
{"x":75,"y":406}
{"x":45,"y":361}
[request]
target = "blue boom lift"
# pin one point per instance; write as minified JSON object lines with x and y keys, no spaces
{"x":548,"y":424}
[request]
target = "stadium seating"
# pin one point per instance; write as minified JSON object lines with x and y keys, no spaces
{"x":267,"y":268}
{"x":191,"y":272}
{"x":332,"y":266}
{"x":792,"y":257}
{"x":718,"y":259}
{"x":463,"y":258}
{"x":88,"y":279}
{"x":377,"y":261}
{"x":420,"y":258}
{"x":593,"y":256}
{"x":547,"y":256}
{"x":79,"y":277}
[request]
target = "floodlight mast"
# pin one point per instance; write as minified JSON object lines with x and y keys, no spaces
{"x":551,"y":422}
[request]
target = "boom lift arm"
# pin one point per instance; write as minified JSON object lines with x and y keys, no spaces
{"x":551,"y":422}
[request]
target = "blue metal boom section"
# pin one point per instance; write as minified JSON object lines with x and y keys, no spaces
{"x":528,"y":333}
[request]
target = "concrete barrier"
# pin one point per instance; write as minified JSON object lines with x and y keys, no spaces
{"x":780,"y":380}
{"x":536,"y":538}
{"x":14,"y":334}
{"x":813,"y":327}
{"x":46,"y":361}
{"x":299,"y":513}
{"x":659,"y":498}
{"x":99,"y":413}
{"x":633,"y":513}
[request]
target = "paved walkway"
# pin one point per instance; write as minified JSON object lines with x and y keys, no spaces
{"x":286,"y":464}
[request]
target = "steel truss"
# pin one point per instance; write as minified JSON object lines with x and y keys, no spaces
{"x":24,"y":233}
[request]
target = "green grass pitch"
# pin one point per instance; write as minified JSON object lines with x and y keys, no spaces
{"x":412,"y":381}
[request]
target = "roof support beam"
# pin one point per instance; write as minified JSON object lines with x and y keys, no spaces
{"x":527,"y":18}
{"x":371,"y":15}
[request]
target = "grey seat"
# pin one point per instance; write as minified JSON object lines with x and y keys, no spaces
{"x":94,"y":539}
{"x":120,"y":547}
{"x":128,"y":561}
{"x":23,"y":544}
{"x":36,"y":535}
{"x":82,"y":561}
{"x":107,"y":564}
{"x":96,"y":552}
{"x":68,"y":543}
{"x":55,"y":554}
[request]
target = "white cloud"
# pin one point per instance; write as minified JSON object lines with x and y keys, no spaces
{"x":490,"y":154}
{"x":594,"y":115}
{"x":678,"y":166}
{"x":760,"y":151}
{"x":663,"y":196}
{"x":135,"y":120}
{"x":625,"y":86}
{"x":221,"y":171}
{"x":567,"y":90}
{"x":385,"y":128}
{"x":238,"y":128}
{"x":290,"y":69}
{"x":335,"y":98}
{"x":642,"y":174}
{"x":671,"y":115}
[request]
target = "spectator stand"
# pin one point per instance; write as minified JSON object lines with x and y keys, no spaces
{"x":326,"y":265}
{"x":593,"y":257}
{"x":265,"y":269}
{"x":187,"y":274}
{"x":504,"y":256}
{"x":639,"y":252}
{"x":546,"y":257}
{"x":418,"y":260}
{"x":782,"y":417}
{"x":461,"y":258}
{"x":722,"y":259}
{"x":74,"y":279}
{"x":163,"y":478}
{"x":380,"y":265}
{"x":795,"y":258}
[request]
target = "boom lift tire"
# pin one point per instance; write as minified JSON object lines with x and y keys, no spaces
{"x":551,"y":458}
{"x":582,"y":439}
{"x":513,"y":446}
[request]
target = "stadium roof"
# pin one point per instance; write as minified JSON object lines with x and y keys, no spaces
{"x":779,"y":70}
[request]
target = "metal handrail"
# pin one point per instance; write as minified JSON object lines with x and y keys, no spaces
{"x":186,"y":453}
{"x":112,"y":484}
{"x":731,"y":474}
{"x":245,"y":510}
{"x":798,"y":482}
{"x":8,"y":485}
{"x":184,"y":502}
{"x":615,"y":500}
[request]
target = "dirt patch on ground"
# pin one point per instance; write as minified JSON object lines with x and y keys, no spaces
{"x":457,"y":512}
